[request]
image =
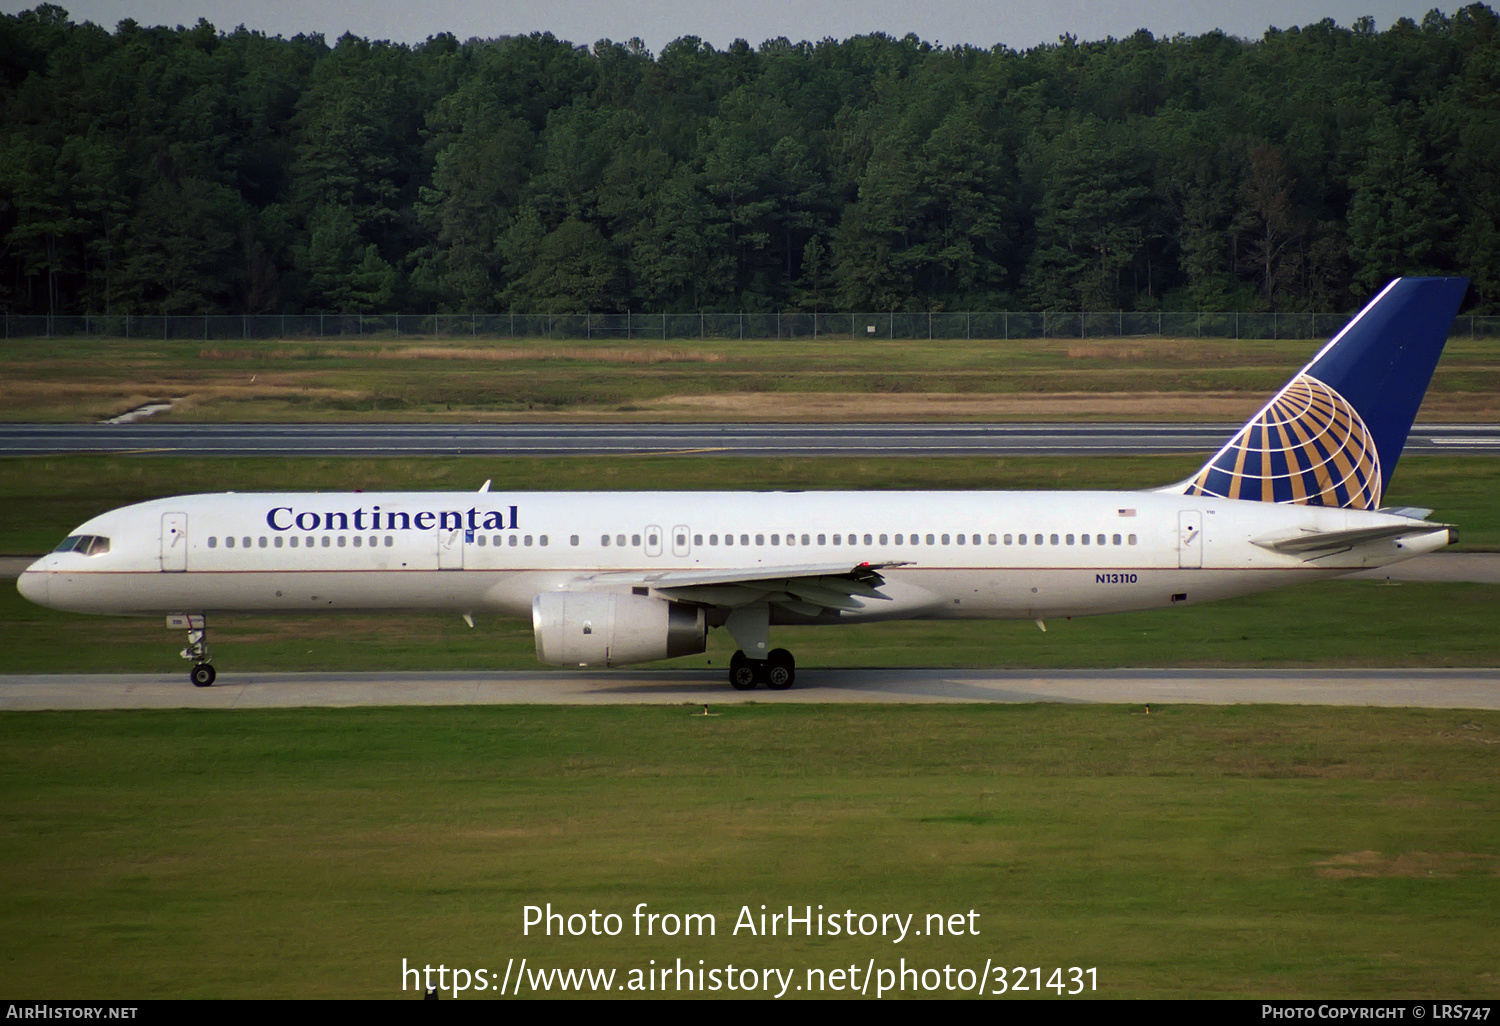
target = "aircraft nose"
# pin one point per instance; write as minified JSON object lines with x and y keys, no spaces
{"x":34,"y":587}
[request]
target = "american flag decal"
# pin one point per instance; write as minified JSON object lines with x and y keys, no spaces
{"x":1307,"y":447}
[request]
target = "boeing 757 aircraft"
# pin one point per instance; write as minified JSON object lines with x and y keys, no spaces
{"x":610,"y":579}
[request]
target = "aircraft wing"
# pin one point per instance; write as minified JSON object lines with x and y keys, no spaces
{"x":1320,"y":543}
{"x":810,"y":588}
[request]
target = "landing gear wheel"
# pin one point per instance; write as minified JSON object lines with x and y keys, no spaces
{"x":203,"y":675}
{"x":742,"y":672}
{"x":781,"y":669}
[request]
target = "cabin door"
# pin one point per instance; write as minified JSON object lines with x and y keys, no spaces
{"x":174,"y":542}
{"x":1190,"y":539}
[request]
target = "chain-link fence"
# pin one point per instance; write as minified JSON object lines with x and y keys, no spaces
{"x":708,"y":326}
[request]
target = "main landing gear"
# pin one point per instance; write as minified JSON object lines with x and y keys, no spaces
{"x":776,"y":671}
{"x":750,"y":627}
{"x":202,"y":674}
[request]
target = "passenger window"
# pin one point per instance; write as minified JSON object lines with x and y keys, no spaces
{"x":528,"y":540}
{"x":513,"y":540}
{"x":1100,"y":539}
{"x":247,"y":541}
{"x":760,"y":539}
{"x":342,"y":541}
{"x":328,"y":542}
{"x":1020,"y":538}
{"x":1037,"y":539}
{"x":697,"y":540}
{"x":883,"y":540}
{"x":1132,"y":539}
{"x":932,"y":539}
{"x":960,"y":539}
{"x":1069,"y":539}
{"x":713,"y":539}
{"x":261,"y":541}
{"x":1007,"y":539}
{"x":573,"y":539}
{"x":992,"y":540}
{"x":804,"y":539}
{"x":280,"y":541}
{"x":390,"y":540}
{"x":945,"y":539}
{"x":1117,"y":539}
{"x":1084,"y":539}
{"x":822,"y":539}
{"x":729,"y":539}
{"x":838,"y":539}
{"x":213,"y":543}
{"x":479,"y":541}
{"x":898,"y":538}
{"x":620,"y":540}
{"x":635,"y":541}
{"x":543,"y":540}
{"x":604,"y":540}
{"x":745,"y":539}
{"x":1054,"y":539}
{"x":868,"y":541}
{"x":358,"y":541}
{"x":292,"y":541}
{"x":775,"y":539}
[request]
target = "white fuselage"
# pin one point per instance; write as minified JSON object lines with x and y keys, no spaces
{"x":944,"y":554}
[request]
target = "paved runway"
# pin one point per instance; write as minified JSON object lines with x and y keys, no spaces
{"x":1422,"y":688}
{"x":663,"y":439}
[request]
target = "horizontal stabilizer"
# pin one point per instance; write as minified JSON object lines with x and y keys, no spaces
{"x":1325,"y":541}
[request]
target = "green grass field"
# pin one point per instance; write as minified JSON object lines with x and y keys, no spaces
{"x":385,"y":379}
{"x":1197,"y":851}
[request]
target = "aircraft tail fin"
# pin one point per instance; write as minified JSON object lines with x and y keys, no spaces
{"x":1333,"y":434}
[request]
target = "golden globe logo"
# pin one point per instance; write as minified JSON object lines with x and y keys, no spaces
{"x":1308,"y":446}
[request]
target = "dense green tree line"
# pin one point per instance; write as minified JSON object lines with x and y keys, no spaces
{"x":188,"y":170}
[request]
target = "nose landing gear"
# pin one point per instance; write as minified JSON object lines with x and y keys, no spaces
{"x":202,"y":674}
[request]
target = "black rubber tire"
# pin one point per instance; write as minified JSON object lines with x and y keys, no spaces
{"x":203,"y":675}
{"x":781,"y":669}
{"x":742,"y":672}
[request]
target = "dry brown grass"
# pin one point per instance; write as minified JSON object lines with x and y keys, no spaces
{"x":1372,"y":864}
{"x":592,"y":354}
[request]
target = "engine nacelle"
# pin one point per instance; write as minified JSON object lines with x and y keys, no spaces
{"x":591,"y":628}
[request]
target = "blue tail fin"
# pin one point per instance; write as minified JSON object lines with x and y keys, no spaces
{"x":1333,"y":435}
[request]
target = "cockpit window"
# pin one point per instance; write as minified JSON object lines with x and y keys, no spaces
{"x":87,"y":544}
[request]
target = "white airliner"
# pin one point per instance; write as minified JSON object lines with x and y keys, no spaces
{"x":616,"y":578}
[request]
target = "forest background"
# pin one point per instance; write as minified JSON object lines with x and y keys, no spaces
{"x":190,"y":170}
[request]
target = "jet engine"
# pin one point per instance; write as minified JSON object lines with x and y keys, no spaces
{"x":586,"y":628}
